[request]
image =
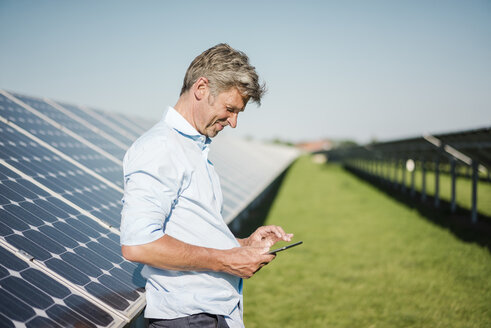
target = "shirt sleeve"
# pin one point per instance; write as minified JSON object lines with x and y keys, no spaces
{"x":152,"y":183}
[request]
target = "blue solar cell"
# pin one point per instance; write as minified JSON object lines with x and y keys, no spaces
{"x":26,"y":292}
{"x":13,"y":308}
{"x":28,"y":246}
{"x":10,"y":261}
{"x":71,"y":232}
{"x":38,"y":211}
{"x":51,"y":209}
{"x":88,"y":310}
{"x":41,"y":322}
{"x":5,"y":322}
{"x":3,"y":272}
{"x":4,"y":230}
{"x":110,"y":255}
{"x":65,"y":317}
{"x":22,"y":214}
{"x":68,"y":271}
{"x":47,"y":243}
{"x":59,"y":236}
{"x":4,"y":200}
{"x":121,"y":121}
{"x":122,"y":288}
{"x":10,"y":194}
{"x":33,"y":188}
{"x":81,"y":264}
{"x":105,"y":294}
{"x":88,"y":223}
{"x":45,"y":283}
{"x":93,"y":257}
{"x":19,"y":189}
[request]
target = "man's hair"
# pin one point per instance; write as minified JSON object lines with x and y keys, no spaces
{"x":225,"y":68}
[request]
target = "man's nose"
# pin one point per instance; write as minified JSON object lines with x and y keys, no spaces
{"x":232,"y":120}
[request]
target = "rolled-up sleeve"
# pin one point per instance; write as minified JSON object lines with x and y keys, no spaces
{"x":152,"y":184}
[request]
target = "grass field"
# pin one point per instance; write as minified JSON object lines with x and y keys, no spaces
{"x":367,"y":261}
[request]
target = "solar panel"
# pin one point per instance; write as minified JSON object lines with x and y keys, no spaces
{"x":73,"y":125}
{"x":94,"y":121}
{"x":61,"y":176}
{"x":59,"y":138}
{"x":122,"y":121}
{"x":66,"y":241}
{"x":245,"y":169}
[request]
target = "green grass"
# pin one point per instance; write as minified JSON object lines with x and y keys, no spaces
{"x":366,"y":261}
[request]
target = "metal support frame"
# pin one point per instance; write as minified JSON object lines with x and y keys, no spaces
{"x":475,"y":178}
{"x":423,"y":180}
{"x":437,"y":182}
{"x":403,"y":168}
{"x":453,"y":203}
{"x":413,"y":176}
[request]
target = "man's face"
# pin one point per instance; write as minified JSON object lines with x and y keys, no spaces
{"x":219,"y":111}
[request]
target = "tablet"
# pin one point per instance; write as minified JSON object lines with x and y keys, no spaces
{"x":285,"y":247}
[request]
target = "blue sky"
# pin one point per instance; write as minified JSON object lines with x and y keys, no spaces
{"x":334,"y":69}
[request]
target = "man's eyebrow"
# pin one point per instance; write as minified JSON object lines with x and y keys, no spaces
{"x":234,"y":108}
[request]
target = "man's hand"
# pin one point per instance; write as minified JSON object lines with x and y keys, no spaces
{"x":246,"y":260}
{"x":266,"y":236}
{"x":171,"y":254}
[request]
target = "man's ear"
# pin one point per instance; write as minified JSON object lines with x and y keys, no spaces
{"x":200,"y":88}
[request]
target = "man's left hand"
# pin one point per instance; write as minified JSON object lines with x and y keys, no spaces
{"x":266,"y":236}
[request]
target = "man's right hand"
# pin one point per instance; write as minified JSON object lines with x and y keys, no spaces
{"x":245,"y":261}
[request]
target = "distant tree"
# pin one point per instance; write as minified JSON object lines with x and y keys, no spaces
{"x":278,"y":141}
{"x":346,"y":143}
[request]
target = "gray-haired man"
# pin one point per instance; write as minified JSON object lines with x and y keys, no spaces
{"x":171,"y":218}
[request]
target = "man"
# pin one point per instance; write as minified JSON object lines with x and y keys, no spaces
{"x":171,"y":218}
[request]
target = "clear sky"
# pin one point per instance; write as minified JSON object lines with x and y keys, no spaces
{"x":334,"y":69}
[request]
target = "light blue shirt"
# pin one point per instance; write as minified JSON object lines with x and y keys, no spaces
{"x":172,"y":188}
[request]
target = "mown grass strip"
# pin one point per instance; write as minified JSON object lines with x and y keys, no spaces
{"x":366,"y":261}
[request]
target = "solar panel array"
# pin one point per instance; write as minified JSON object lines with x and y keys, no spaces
{"x":387,"y":160}
{"x":60,"y":191}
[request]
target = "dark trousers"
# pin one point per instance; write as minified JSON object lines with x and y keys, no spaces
{"x":200,"y":320}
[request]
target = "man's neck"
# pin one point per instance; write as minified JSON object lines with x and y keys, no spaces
{"x":184,"y":106}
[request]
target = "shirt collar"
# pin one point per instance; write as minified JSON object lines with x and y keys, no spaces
{"x":176,"y":121}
